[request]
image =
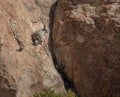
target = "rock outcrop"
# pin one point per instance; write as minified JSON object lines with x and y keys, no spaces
{"x":86,"y":44}
{"x":29,"y":69}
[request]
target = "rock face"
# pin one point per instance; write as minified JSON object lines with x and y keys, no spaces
{"x":24,"y":72}
{"x":86,"y":41}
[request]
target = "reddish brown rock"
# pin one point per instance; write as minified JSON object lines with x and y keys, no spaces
{"x":24,"y":72}
{"x":86,"y":40}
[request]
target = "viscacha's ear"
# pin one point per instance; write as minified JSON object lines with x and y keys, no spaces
{"x":44,"y":27}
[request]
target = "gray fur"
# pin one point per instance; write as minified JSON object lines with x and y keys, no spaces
{"x":38,"y":36}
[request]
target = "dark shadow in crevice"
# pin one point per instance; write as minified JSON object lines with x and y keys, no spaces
{"x":59,"y":66}
{"x":51,"y":21}
{"x":68,"y":84}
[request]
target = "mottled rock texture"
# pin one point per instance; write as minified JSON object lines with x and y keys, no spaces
{"x":86,"y":41}
{"x":24,"y":72}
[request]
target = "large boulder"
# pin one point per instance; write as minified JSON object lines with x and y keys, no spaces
{"x":22,"y":73}
{"x":86,"y":44}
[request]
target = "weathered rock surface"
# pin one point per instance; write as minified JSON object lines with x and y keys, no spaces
{"x":24,"y":72}
{"x":86,"y":41}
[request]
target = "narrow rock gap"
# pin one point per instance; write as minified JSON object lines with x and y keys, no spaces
{"x":59,"y":66}
{"x":69,"y":85}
